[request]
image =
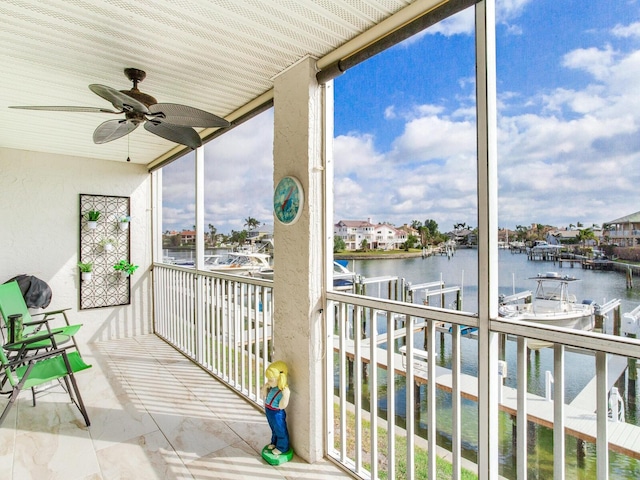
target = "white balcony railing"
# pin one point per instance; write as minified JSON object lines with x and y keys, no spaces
{"x":221,"y":322}
{"x":387,"y":418}
{"x":564,"y":403}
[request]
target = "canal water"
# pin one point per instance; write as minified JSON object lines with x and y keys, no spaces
{"x":515,"y":271}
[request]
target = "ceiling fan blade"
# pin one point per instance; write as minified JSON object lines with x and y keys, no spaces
{"x":176,"y":133}
{"x":68,"y":109}
{"x":186,"y":116}
{"x":113,"y":129}
{"x":119,"y":99}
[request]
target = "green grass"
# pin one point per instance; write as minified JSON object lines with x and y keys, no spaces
{"x":444,"y":470}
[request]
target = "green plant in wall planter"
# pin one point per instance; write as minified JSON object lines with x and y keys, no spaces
{"x":92,"y":219}
{"x":86,"y":270}
{"x":123,"y":222}
{"x":107,"y":244}
{"x":125,"y":268}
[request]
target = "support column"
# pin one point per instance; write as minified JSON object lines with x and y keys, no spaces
{"x":488,"y":429}
{"x":299,"y":255}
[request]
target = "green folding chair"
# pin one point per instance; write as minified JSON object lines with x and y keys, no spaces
{"x":12,"y":302}
{"x":29,"y":372}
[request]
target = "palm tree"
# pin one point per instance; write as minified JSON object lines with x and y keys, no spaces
{"x":459,"y":226}
{"x":212,"y":234}
{"x":251,"y":223}
{"x":585,"y":235}
{"x":522,"y":233}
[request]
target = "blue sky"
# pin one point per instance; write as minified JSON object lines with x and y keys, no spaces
{"x":568,"y":116}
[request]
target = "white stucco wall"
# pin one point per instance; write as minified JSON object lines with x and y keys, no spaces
{"x":299,"y":255}
{"x":39,"y":195}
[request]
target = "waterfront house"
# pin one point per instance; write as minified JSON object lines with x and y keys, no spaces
{"x":562,"y":237}
{"x":380,"y":236}
{"x":623,"y":231}
{"x":463,"y":236}
{"x":388,"y":237}
{"x":187,"y":237}
{"x":354,"y":232}
{"x":175,"y":388}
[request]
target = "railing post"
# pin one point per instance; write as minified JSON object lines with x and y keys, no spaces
{"x":602,"y":447}
{"x":502,"y":374}
{"x":548,"y":380}
{"x":559,"y":449}
{"x":614,"y":398}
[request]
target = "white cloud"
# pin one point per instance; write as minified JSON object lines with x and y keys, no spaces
{"x":510,"y":9}
{"x":423,"y":110}
{"x":353,"y":154}
{"x":389,"y":113}
{"x":432,"y":138}
{"x":429,"y":173}
{"x":626,"y":31}
{"x":238,"y":179}
{"x":577,"y":158}
{"x":595,"y":61}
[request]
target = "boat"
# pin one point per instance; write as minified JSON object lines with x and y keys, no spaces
{"x":239,"y":263}
{"x":209,"y":260}
{"x":540,"y":247}
{"x":551,"y":304}
{"x":343,"y":278}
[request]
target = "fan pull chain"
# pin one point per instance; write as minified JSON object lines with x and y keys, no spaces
{"x":128,"y":145}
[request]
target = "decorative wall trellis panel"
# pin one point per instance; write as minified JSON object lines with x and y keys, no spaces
{"x":107,"y":287}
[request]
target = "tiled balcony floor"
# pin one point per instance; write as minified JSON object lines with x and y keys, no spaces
{"x":154,"y":415}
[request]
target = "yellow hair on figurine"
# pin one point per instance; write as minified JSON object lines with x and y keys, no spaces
{"x":278,"y":371}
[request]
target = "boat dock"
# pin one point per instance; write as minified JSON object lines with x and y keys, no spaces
{"x":580,"y":419}
{"x":586,"y":263}
{"x":586,"y":399}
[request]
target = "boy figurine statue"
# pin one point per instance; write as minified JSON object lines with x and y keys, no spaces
{"x":275,"y":393}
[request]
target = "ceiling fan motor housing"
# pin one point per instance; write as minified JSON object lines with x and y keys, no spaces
{"x":148,"y":100}
{"x":136,"y":76}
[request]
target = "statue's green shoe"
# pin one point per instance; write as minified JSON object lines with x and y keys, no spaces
{"x":276,"y":459}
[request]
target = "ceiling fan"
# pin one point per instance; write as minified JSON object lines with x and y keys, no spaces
{"x":171,"y":121}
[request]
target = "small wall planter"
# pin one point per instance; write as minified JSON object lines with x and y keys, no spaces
{"x":86,"y":271}
{"x":123,"y":222}
{"x":125,"y":268}
{"x":92,"y":219}
{"x":107,"y":244}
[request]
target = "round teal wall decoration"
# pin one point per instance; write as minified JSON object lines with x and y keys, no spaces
{"x":288,"y":200}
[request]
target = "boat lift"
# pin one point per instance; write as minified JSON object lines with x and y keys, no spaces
{"x":631,"y":322}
